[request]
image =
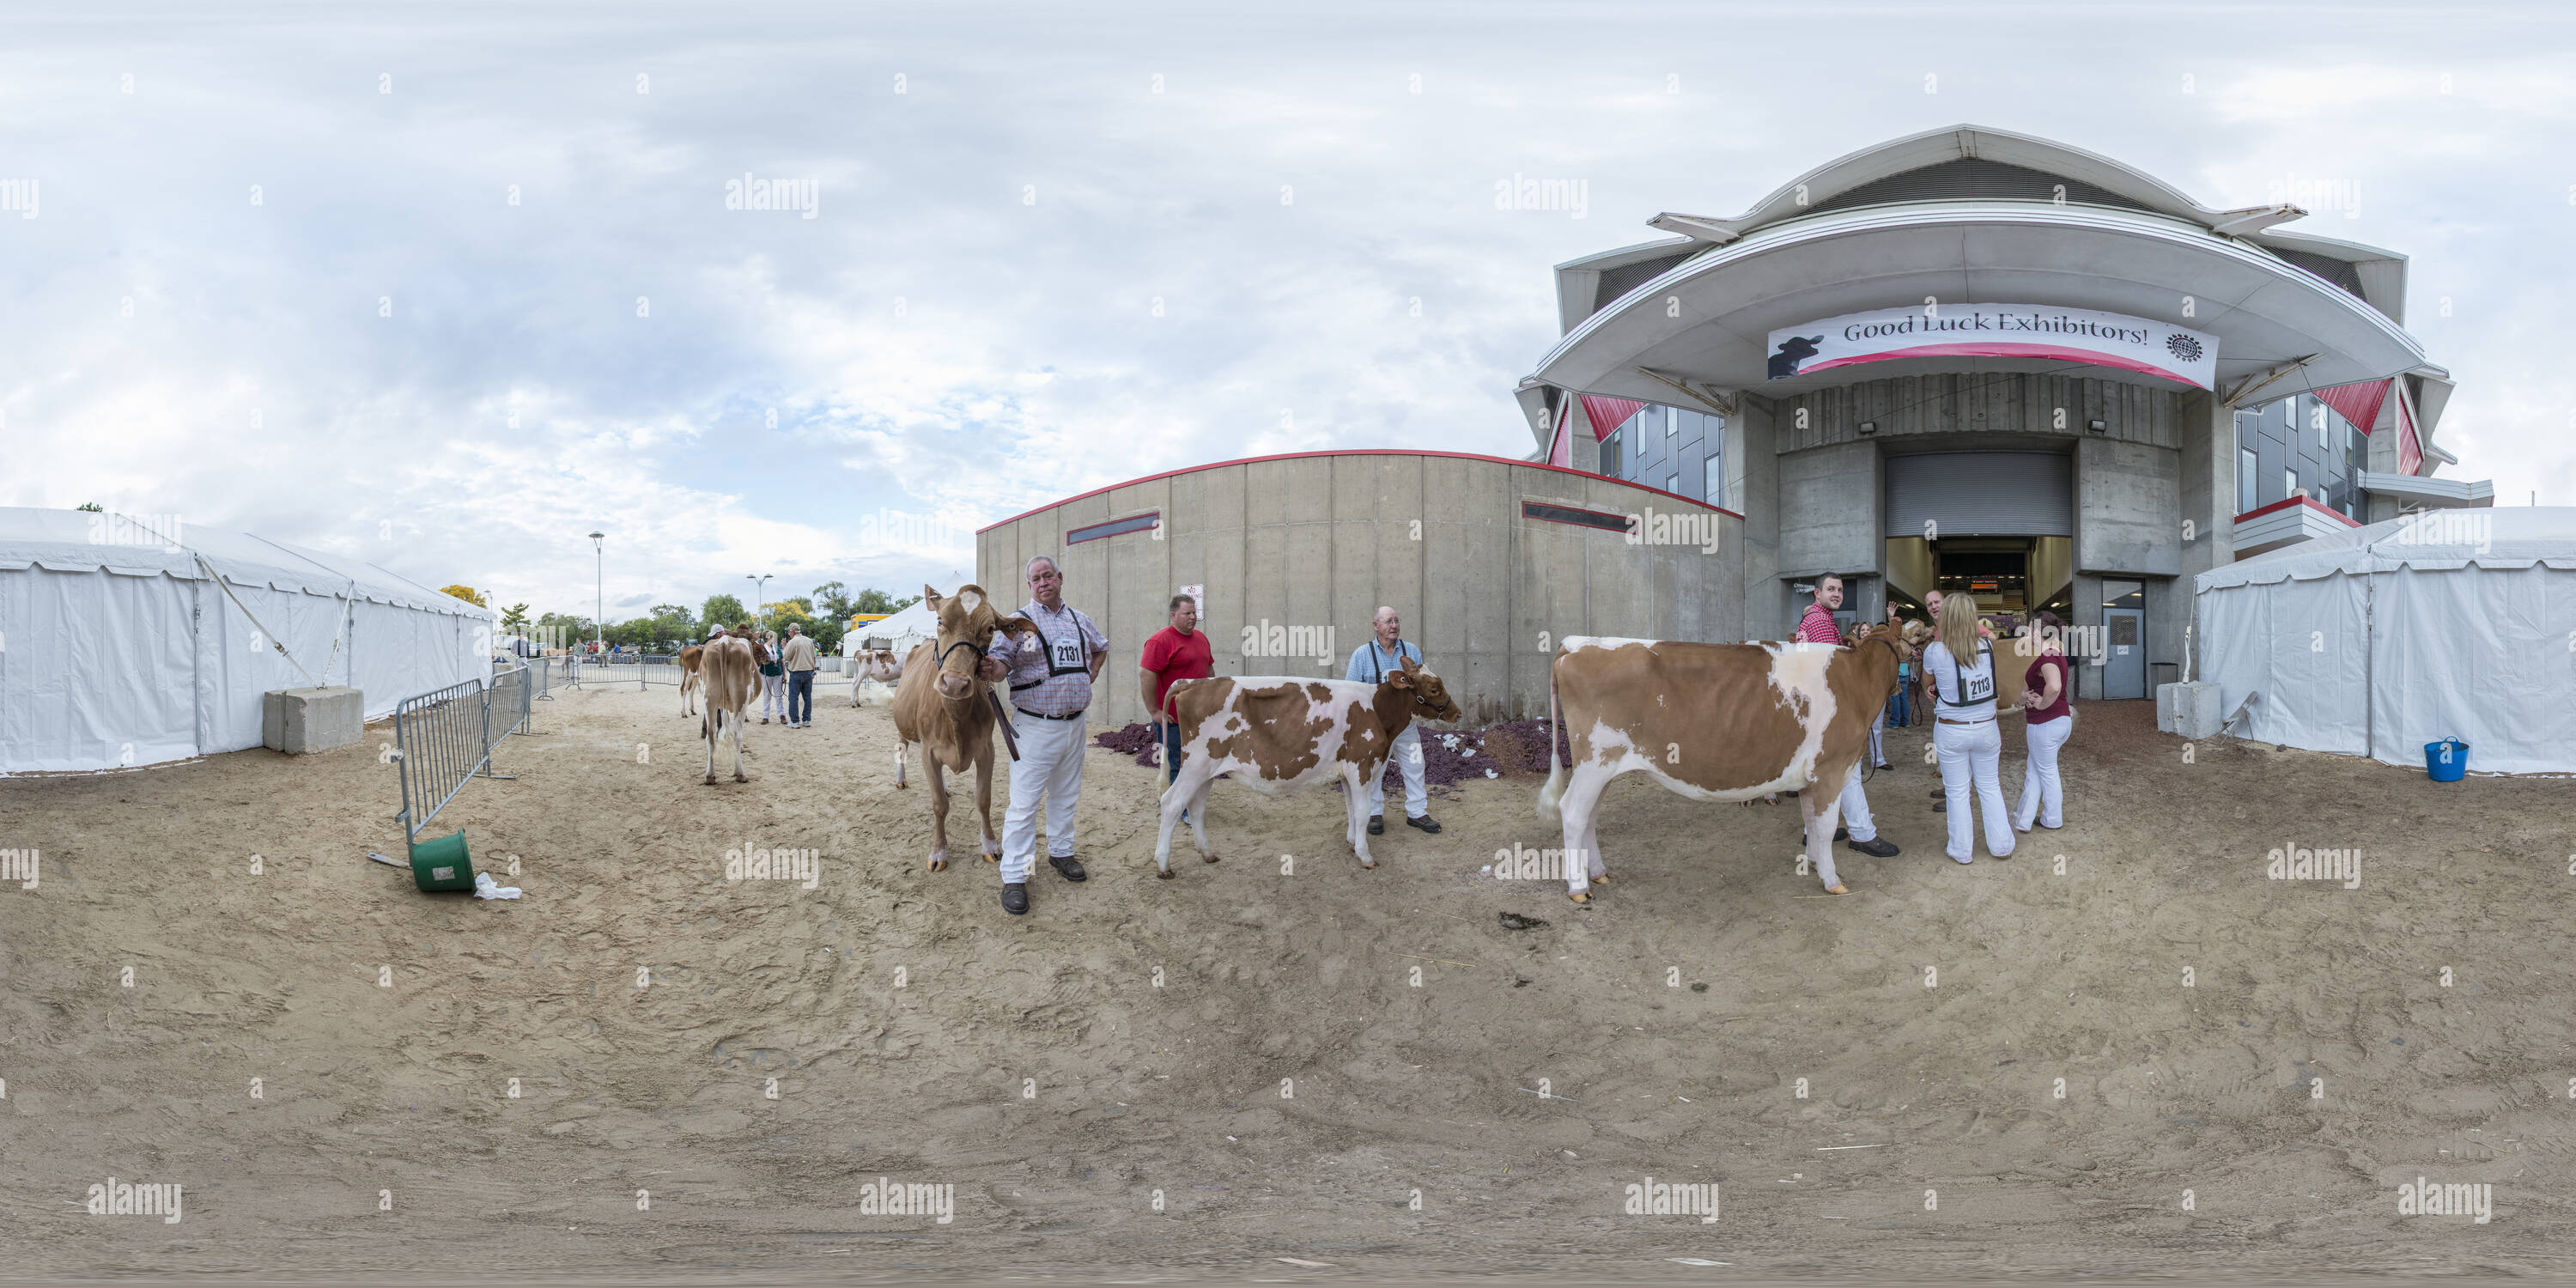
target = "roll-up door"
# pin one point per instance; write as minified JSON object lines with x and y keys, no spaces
{"x":2000,"y":494}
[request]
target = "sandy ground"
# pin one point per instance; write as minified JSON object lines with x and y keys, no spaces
{"x":1037,"y":1067}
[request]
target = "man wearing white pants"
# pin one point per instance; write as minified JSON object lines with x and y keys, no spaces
{"x":1387,"y":651}
{"x":1859,"y":831}
{"x":2045,"y":690}
{"x":1965,"y":736}
{"x":1050,"y":674}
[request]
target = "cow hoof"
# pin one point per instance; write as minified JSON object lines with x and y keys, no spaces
{"x":1207,"y":858}
{"x":1580,"y":897}
{"x":992,"y":858}
{"x":711,"y":780}
{"x":1835,"y":889}
{"x":939,"y":861}
{"x":1163,"y":874}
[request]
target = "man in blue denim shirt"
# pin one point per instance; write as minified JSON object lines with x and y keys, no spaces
{"x":1370,"y":664}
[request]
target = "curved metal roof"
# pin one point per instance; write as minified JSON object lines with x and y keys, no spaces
{"x":1707,"y":320}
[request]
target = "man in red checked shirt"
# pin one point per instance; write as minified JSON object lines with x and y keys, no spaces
{"x":1817,"y":627}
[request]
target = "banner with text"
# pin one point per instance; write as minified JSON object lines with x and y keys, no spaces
{"x":1998,"y":331}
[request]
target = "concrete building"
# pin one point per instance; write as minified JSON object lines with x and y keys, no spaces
{"x":2005,"y":367}
{"x":1489,"y":561}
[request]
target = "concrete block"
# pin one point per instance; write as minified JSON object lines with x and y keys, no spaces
{"x":300,"y":722}
{"x":2188,"y":709}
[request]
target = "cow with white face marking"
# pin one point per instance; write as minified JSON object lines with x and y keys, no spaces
{"x":1280,"y":735}
{"x":945,"y":708}
{"x":1714,"y":722}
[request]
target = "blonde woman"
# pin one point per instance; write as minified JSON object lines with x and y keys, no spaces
{"x":1961,"y":666}
{"x":2046,"y":688}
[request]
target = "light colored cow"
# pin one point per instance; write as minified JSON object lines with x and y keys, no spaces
{"x":730,"y":674}
{"x":1713,"y":722}
{"x":690,"y":658}
{"x":878,"y":667}
{"x":1280,"y":735}
{"x":944,"y":708}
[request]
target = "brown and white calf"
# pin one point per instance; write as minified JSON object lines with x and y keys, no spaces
{"x":1714,"y":722}
{"x":730,"y":675}
{"x":945,"y":708}
{"x":1280,"y":735}
{"x":690,"y":659}
{"x":875,"y":665}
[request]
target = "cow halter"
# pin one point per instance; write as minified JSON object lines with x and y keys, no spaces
{"x":942,"y":664}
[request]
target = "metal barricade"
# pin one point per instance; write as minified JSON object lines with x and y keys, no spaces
{"x":445,"y":737}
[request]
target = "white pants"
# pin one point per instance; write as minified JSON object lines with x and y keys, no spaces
{"x":2041,"y":798}
{"x":1878,"y":738}
{"x":1856,"y":809}
{"x":1050,"y":764}
{"x":1973,"y":753}
{"x":1407,"y":755}
{"x":773,"y":700}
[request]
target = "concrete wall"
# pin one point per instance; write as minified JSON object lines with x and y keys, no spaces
{"x":2128,"y":508}
{"x":1768,"y":611}
{"x":1318,"y":542}
{"x":1980,"y":403}
{"x":1829,"y":503}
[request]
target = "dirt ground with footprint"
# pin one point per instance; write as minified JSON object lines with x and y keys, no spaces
{"x":1711,"y":1017}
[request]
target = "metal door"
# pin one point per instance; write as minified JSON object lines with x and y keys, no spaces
{"x":2124,"y":664}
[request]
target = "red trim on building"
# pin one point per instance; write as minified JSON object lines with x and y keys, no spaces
{"x":1607,"y":414}
{"x":1356,"y":451}
{"x":2308,"y":501}
{"x":2357,"y":403}
{"x":2005,"y":349}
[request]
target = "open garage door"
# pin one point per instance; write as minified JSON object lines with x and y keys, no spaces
{"x":1981,"y":494}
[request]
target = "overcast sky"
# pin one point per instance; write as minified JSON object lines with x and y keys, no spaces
{"x":295,"y":269}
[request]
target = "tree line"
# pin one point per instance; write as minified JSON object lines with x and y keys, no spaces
{"x":824,"y":615}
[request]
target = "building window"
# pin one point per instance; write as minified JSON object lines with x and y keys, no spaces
{"x":1672,"y":422}
{"x":2245,"y":471}
{"x":2289,"y":483}
{"x":1714,"y":474}
{"x":1132,"y":523}
{"x":1574,"y":515}
{"x":1610,"y":456}
{"x":1673,"y":484}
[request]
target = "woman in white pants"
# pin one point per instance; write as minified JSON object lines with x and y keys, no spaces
{"x":1964,"y":735}
{"x":2045,"y":693}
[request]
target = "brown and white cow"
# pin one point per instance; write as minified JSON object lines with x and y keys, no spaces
{"x":1714,"y":722}
{"x":1280,"y":735}
{"x":945,"y":708}
{"x":727,"y":669}
{"x":873,"y":666}
{"x":690,"y":658}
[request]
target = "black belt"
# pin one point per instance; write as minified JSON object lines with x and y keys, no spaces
{"x":1034,"y":715}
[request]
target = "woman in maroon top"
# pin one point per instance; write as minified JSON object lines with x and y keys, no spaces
{"x":2046,"y":689}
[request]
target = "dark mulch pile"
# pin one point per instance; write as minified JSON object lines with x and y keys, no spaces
{"x":1449,"y":756}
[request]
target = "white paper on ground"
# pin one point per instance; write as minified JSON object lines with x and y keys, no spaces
{"x":486,"y":888}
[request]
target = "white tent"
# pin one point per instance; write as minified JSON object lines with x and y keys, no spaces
{"x":903,"y":630}
{"x":2375,"y":641}
{"x":118,"y":646}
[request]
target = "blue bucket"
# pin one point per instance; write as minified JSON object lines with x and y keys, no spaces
{"x":2446,"y":760}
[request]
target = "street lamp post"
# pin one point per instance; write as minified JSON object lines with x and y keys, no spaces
{"x":599,"y":587}
{"x":760,"y":591}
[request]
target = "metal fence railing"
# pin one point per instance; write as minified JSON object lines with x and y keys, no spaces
{"x":637,"y":669}
{"x":444,"y":737}
{"x":544,"y":674}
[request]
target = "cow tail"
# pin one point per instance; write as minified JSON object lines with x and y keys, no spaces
{"x":1555,"y":789}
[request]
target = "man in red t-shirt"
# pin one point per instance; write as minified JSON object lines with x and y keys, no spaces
{"x":1858,"y":830}
{"x":1178,"y":652}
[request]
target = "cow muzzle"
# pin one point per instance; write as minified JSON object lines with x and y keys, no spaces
{"x":953,"y":686}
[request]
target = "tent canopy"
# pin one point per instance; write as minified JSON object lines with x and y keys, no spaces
{"x":906,"y":628}
{"x":127,"y":640}
{"x":2376,"y":640}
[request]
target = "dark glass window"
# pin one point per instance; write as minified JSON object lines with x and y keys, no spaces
{"x":1581,"y":518}
{"x":1132,"y":523}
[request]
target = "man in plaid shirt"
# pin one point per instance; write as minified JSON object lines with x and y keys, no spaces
{"x":1050,"y":675}
{"x":1817,"y":627}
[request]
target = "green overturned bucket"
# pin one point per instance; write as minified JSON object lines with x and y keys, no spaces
{"x":441,"y":864}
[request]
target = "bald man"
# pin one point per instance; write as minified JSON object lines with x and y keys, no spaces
{"x":1370,"y":664}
